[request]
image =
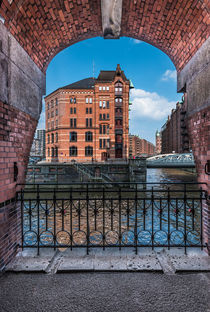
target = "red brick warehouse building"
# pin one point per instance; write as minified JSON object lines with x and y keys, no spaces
{"x":89,"y":119}
{"x":140,"y":147}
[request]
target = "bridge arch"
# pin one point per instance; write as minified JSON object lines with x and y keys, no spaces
{"x":33,"y":32}
{"x":43,"y":29}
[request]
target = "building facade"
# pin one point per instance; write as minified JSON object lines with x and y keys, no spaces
{"x":158,"y":142}
{"x":38,"y":145}
{"x":174,"y":132}
{"x":140,"y":147}
{"x":89,"y":120}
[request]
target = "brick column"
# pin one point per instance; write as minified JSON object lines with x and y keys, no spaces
{"x":199,"y":133}
{"x":22,"y":85}
{"x":16,"y":136}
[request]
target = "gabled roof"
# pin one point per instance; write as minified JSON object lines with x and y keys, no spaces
{"x":109,"y":75}
{"x":106,"y":75}
{"x":87,"y":83}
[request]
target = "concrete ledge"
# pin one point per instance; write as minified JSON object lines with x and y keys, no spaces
{"x":28,"y":261}
{"x":159,"y":261}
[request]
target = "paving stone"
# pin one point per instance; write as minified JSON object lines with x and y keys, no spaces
{"x":191,"y":263}
{"x":69,"y":264}
{"x":143,"y":263}
{"x":28,"y":264}
{"x":28,"y":261}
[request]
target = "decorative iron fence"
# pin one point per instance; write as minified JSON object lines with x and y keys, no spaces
{"x":111,"y":215}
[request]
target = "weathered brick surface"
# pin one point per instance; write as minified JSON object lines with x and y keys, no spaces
{"x":199,"y":132}
{"x":45,"y":27}
{"x":178,"y":28}
{"x":63,"y":116}
{"x":16,"y":135}
{"x":10,"y":232}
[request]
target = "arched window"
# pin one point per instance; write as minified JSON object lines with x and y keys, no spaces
{"x":48,"y":152}
{"x":118,"y":87}
{"x":48,"y":139}
{"x":52,"y":138}
{"x":118,"y":84}
{"x":118,"y":100}
{"x":88,"y":151}
{"x":72,"y":151}
{"x":56,"y":151}
{"x":52,"y":152}
{"x":88,"y":136}
{"x":56,"y":137}
{"x":73,"y":136}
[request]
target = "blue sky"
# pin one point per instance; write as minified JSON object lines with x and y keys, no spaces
{"x":151,"y":71}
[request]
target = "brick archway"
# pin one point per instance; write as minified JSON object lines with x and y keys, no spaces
{"x":33,"y":32}
{"x":43,"y":29}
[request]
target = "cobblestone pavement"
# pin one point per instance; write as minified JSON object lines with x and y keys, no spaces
{"x":107,"y":292}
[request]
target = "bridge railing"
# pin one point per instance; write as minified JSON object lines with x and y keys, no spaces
{"x":93,"y":215}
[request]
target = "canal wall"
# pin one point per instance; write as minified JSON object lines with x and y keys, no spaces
{"x":132,"y":171}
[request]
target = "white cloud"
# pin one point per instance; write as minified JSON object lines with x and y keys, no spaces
{"x":150,"y":105}
{"x":136,"y":41}
{"x":169,"y":75}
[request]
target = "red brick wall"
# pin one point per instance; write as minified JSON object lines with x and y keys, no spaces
{"x":16,"y":135}
{"x":43,"y":28}
{"x":199,"y":132}
{"x":178,"y":28}
{"x":138,"y":146}
{"x":63,"y":119}
{"x":10,"y":232}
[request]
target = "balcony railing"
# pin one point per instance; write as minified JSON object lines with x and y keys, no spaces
{"x":118,"y":115}
{"x":112,"y":215}
{"x":118,"y":93}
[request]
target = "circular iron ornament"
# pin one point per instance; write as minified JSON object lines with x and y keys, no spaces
{"x":144,"y":237}
{"x":148,"y":204}
{"x":157,"y":204}
{"x":46,"y":238}
{"x":30,"y":238}
{"x":95,"y":238}
{"x":160,"y":237}
{"x":164,"y":204}
{"x":193,"y":238}
{"x":66,"y":204}
{"x":112,"y":237}
{"x":177,"y":237}
{"x":42,"y":204}
{"x":63,"y":238}
{"x":26,"y":204}
{"x":173,"y":204}
{"x":79,"y":238}
{"x":127,"y":238}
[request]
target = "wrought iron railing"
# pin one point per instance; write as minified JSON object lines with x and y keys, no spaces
{"x":125,"y":215}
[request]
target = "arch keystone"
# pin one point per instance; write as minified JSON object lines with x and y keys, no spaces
{"x":111,"y":11}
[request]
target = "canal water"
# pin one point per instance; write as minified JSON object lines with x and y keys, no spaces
{"x":169,"y":219}
{"x":171,"y":175}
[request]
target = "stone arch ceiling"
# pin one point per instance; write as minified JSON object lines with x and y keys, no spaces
{"x":45,"y":27}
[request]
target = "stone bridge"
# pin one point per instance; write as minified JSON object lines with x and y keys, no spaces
{"x":33,"y":32}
